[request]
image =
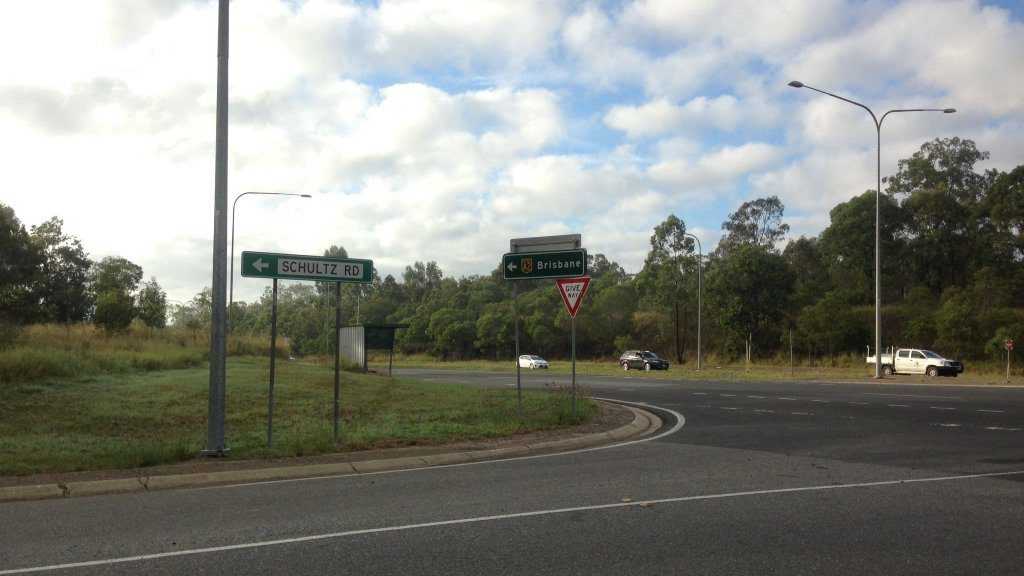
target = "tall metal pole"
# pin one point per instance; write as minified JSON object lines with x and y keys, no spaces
{"x":700,"y":290}
{"x":878,"y":195}
{"x":273,"y":358}
{"x":215,"y":443}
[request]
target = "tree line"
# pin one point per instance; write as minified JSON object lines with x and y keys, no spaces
{"x":46,"y":276}
{"x":952,"y":279}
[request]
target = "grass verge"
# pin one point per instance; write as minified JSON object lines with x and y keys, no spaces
{"x":982,"y":375}
{"x":143,"y":419}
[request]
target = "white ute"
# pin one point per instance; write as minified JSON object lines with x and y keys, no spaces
{"x":918,"y":361}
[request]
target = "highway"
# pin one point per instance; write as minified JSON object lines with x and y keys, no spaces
{"x":745,"y":478}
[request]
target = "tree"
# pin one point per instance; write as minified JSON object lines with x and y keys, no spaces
{"x":153,"y":304}
{"x":20,"y":262}
{"x":117,"y":274}
{"x":757,"y":222}
{"x":114,"y":311}
{"x":64,"y":285}
{"x":662,"y":282}
{"x":750,"y":290}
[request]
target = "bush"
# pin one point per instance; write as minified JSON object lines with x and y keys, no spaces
{"x":114,"y":311}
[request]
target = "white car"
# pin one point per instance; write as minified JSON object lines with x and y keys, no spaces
{"x":531,"y":361}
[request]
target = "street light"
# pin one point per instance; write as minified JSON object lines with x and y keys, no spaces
{"x":878,"y":193}
{"x":231,"y":291}
{"x":700,"y":288}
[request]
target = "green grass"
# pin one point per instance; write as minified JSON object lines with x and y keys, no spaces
{"x":845,"y":368}
{"x":136,"y":419}
{"x":52,"y":352}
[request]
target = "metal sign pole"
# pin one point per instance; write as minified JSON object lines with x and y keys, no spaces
{"x":573,"y":323}
{"x":337,"y":356}
{"x":273,"y":356}
{"x":515,"y":321}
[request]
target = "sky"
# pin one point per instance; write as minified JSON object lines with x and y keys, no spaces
{"x":438,"y":130}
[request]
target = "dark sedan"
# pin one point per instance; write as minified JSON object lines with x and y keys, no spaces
{"x":642,"y":360}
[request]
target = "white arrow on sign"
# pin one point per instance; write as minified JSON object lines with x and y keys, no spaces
{"x":511,"y":266}
{"x":260,"y":265}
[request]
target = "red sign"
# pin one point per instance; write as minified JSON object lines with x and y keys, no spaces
{"x":572,"y":291}
{"x":1008,"y":344}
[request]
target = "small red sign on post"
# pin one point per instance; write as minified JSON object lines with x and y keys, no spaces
{"x":572,"y":291}
{"x":1008,"y":343}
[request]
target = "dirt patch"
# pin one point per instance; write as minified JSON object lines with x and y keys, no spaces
{"x":611,"y":416}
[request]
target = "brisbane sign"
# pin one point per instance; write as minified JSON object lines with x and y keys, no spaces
{"x":536,"y":265}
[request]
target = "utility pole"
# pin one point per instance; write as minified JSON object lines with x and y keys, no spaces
{"x":215,"y":443}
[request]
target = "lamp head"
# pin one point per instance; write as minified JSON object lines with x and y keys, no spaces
{"x":949,"y":110}
{"x":796,"y":84}
{"x":306,"y":196}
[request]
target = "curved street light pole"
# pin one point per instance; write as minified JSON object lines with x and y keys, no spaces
{"x":231,"y":290}
{"x":878,"y":193}
{"x":700,"y":289}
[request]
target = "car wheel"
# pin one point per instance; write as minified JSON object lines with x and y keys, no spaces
{"x":931,"y":371}
{"x":647,"y":366}
{"x":887,"y":370}
{"x":625,"y":365}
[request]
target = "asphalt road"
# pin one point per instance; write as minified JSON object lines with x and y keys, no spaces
{"x":757,"y":478}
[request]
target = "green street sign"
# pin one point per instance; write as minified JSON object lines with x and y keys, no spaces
{"x":315,"y":268}
{"x":533,"y":265}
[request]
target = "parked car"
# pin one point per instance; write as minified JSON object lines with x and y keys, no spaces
{"x":642,"y":360}
{"x":918,"y":361}
{"x":532,"y":361}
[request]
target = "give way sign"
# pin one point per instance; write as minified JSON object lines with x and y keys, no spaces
{"x":572,"y":291}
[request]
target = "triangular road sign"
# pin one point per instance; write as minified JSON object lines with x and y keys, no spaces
{"x":572,"y":291}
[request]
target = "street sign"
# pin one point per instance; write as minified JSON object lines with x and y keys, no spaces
{"x":1008,"y":343}
{"x":533,"y":265}
{"x":572,"y":291}
{"x":545,"y":243}
{"x":314,"y":268}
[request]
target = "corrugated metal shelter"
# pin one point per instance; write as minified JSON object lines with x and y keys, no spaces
{"x":356,"y":341}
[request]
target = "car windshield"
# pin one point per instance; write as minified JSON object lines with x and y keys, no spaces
{"x":649,"y":355}
{"x":930,"y":354}
{"x":536,"y":358}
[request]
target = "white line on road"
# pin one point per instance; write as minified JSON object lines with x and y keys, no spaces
{"x":728,"y":408}
{"x":700,"y":393}
{"x":727,"y":395}
{"x":913,"y":395}
{"x":941,"y":408}
{"x":785,"y":398}
{"x":757,"y":397}
{"x":897,"y":406}
{"x":802,"y":413}
{"x":946,"y":425}
{"x":761,"y":411}
{"x":1002,"y":428}
{"x":497,"y":517}
{"x":993,"y":411}
{"x":858,"y":403}
{"x":820,"y":401}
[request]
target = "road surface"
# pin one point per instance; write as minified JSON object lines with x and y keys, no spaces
{"x":746,"y":478}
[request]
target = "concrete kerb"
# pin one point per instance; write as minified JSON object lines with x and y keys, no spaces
{"x":644,"y":423}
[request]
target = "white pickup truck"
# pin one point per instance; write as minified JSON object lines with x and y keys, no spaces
{"x":918,"y":361}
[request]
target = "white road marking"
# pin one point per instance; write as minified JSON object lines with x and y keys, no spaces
{"x":946,"y":425}
{"x":993,"y":411}
{"x":498,"y":517}
{"x":757,"y":397}
{"x":802,"y":413}
{"x":785,"y":398}
{"x":913,"y":395}
{"x":941,"y":408}
{"x":820,"y":401}
{"x":728,"y":408}
{"x":700,"y":393}
{"x":1002,"y":428}
{"x":760,"y":411}
{"x":727,"y":395}
{"x":858,"y":403}
{"x":897,"y":406}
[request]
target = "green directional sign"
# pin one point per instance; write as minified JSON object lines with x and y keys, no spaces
{"x":315,"y":268}
{"x":533,"y":265}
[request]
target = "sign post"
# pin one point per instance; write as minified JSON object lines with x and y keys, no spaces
{"x":1008,"y":344}
{"x":313,"y":268}
{"x":572,"y":291}
{"x":534,"y":258}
